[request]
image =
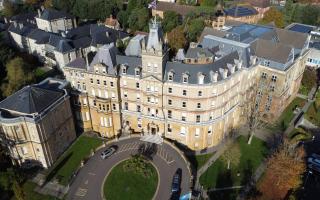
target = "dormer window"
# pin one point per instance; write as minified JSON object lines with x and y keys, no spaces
{"x":124,"y":69}
{"x":200,"y":78}
{"x":137,"y":72}
{"x":170,"y":76}
{"x":185,"y":78}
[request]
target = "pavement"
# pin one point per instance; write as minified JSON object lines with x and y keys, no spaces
{"x":89,"y":182}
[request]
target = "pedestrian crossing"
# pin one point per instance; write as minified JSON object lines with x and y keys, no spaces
{"x":134,"y":146}
{"x":81,"y":192}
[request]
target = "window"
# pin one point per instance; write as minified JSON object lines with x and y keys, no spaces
{"x":185,"y":79}
{"x":84,"y":86}
{"x":169,"y":90}
{"x":114,"y":107}
{"x":111,"y":84}
{"x":274,"y":78}
{"x":210,"y":130}
{"x":200,"y":93}
{"x":198,"y":118}
{"x":198,"y":105}
{"x":170,"y":76}
{"x":267,"y":63}
{"x":169,"y":128}
{"x":211,"y":116}
{"x":124,"y":70}
{"x":137,"y":85}
{"x":126,"y":105}
{"x":183,"y":117}
{"x":103,"y":107}
{"x":108,"y":107}
{"x":138,"y":108}
{"x":105,"y":83}
{"x":184,"y":92}
{"x":272,"y":87}
{"x":169,"y":114}
{"x":148,"y":99}
{"x":169,"y":102}
{"x":94,"y":103}
{"x":182,"y":130}
{"x":100,"y":107}
{"x":91,"y":80}
{"x":98,"y":81}
{"x":138,"y":96}
{"x":264,"y":75}
{"x":137,"y":71}
{"x":125,"y":94}
{"x":184,"y":104}
{"x":197,"y":134}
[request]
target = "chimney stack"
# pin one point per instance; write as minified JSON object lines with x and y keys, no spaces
{"x":231,"y":68}
{"x":39,"y":12}
{"x":215,"y":77}
{"x":223,"y":73}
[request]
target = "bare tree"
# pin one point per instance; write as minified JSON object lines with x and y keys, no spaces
{"x":232,"y":155}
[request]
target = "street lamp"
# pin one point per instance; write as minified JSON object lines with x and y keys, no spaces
{"x":309,"y":172}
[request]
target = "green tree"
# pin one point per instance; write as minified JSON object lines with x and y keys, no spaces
{"x":288,"y":11}
{"x":194,"y":29}
{"x":211,"y":3}
{"x":273,"y":15}
{"x":138,"y":19}
{"x":8,"y":9}
{"x":170,"y":21}
{"x":123,"y":18}
{"x":310,"y":14}
{"x":177,"y":39}
{"x":18,"y":75}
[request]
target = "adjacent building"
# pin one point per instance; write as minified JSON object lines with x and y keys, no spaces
{"x":36,"y":123}
{"x":199,"y":96}
{"x":243,"y":13}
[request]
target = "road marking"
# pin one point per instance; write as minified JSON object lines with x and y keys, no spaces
{"x":86,"y":182}
{"x":90,"y":173}
{"x":81,"y":192}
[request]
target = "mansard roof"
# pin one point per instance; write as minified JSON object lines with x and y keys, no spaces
{"x":51,"y":14}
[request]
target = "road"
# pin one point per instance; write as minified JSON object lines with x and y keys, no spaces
{"x":89,"y":182}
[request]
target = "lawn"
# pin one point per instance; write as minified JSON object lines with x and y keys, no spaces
{"x":304,"y":90}
{"x":251,"y":157}
{"x":71,"y":159}
{"x":199,"y":160}
{"x":123,"y":184}
{"x":287,"y":115}
{"x":313,"y":114}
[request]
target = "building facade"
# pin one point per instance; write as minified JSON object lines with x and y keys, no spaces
{"x":37,"y":123}
{"x":198,"y":97}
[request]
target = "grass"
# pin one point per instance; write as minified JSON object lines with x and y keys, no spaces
{"x":251,"y":157}
{"x":304,"y":90}
{"x":123,"y":184}
{"x":313,"y":114}
{"x":71,"y":159}
{"x":287,"y":115}
{"x":199,"y":160}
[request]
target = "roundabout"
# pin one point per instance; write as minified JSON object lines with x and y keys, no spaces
{"x":92,"y":180}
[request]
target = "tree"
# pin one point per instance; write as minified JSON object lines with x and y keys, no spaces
{"x":310,"y":14}
{"x":309,"y":78}
{"x":273,"y":15}
{"x":177,"y":38}
{"x":18,"y":75}
{"x":211,"y":3}
{"x":138,"y":19}
{"x":8,"y":9}
{"x":17,"y":190}
{"x":232,"y":155}
{"x":123,"y":18}
{"x":288,"y":11}
{"x":194,"y":29}
{"x":170,"y":21}
{"x":283,"y":173}
{"x":47,"y":3}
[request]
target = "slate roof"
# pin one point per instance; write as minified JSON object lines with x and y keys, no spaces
{"x":179,"y":68}
{"x":271,"y":51}
{"x":107,"y":56}
{"x":20,"y":29}
{"x":211,"y":31}
{"x":241,"y":11}
{"x":31,"y":99}
{"x":135,"y":45}
{"x":78,"y":63}
{"x":51,"y":14}
{"x":131,"y":61}
{"x":198,"y":53}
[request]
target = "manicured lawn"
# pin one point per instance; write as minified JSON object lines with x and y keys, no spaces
{"x":71,"y":159}
{"x":288,"y":114}
{"x":252,"y":155}
{"x":199,"y":160}
{"x":28,"y":188}
{"x":122,"y":184}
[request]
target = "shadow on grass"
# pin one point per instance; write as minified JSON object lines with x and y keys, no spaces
{"x":56,"y":168}
{"x":224,"y":180}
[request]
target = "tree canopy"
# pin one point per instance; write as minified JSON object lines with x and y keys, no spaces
{"x":170,"y":21}
{"x":177,"y":39}
{"x":194,"y":29}
{"x":273,"y":15}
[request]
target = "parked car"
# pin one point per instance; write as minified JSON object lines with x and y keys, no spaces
{"x":314,"y":160}
{"x":176,"y":181}
{"x":108,"y":152}
{"x":314,"y":168}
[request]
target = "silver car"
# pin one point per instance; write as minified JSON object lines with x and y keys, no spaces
{"x":108,"y":152}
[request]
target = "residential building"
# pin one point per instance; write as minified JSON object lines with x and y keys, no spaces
{"x":314,"y":45}
{"x":198,"y":97}
{"x":36,"y":123}
{"x":262,"y":6}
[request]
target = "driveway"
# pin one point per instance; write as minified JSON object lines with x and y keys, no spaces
{"x":89,"y":181}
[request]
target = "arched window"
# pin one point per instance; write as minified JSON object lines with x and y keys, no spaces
{"x":170,"y":76}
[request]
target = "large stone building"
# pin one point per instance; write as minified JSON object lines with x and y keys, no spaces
{"x":36,"y":123}
{"x":196,"y":98}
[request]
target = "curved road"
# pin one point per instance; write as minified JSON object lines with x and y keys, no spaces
{"x":89,"y":182}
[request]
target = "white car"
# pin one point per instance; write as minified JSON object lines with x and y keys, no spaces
{"x":108,"y":152}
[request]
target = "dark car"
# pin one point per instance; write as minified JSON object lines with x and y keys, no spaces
{"x":176,"y":181}
{"x":108,"y":152}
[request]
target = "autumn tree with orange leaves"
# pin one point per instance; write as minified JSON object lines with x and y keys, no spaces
{"x":283,"y":173}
